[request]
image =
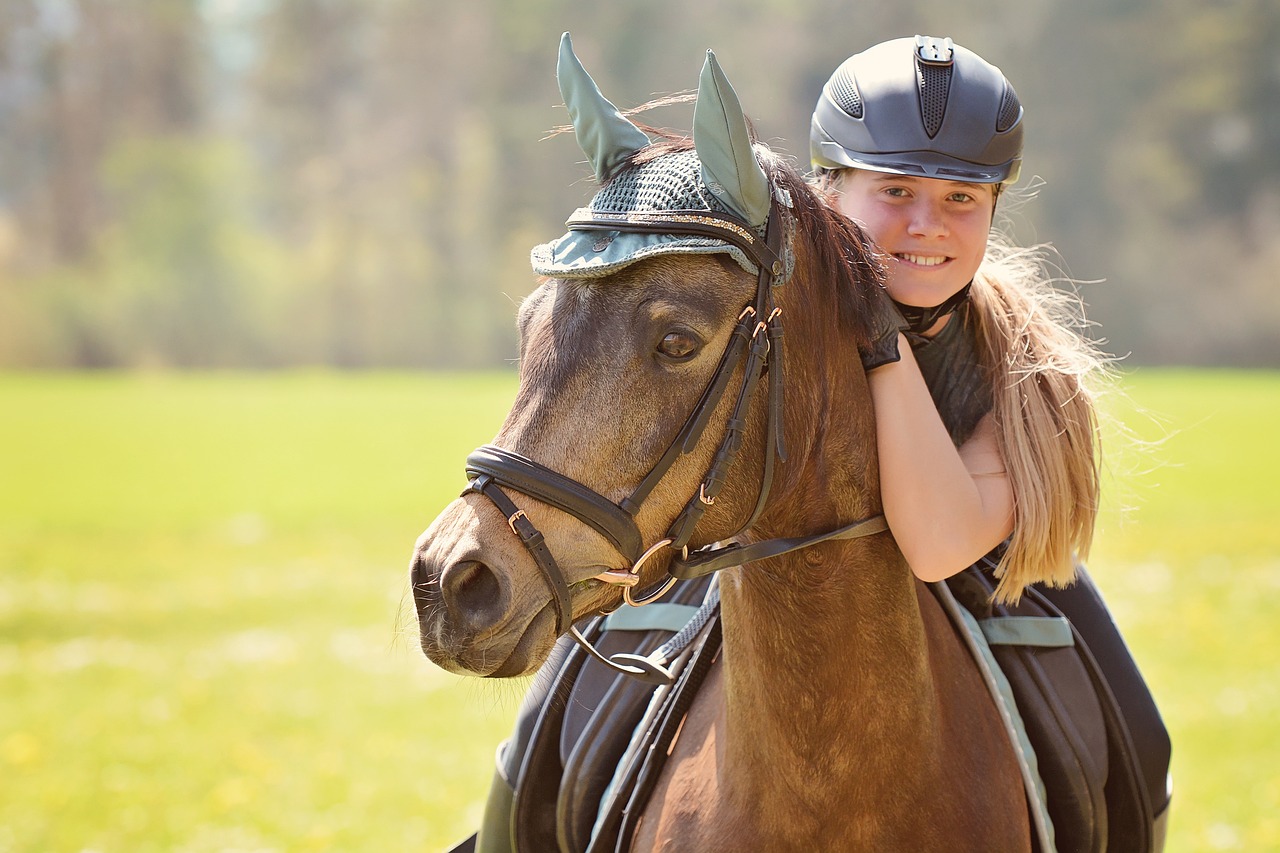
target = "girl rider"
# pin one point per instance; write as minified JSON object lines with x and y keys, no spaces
{"x":983,"y":390}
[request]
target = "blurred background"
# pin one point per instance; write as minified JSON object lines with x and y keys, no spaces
{"x":357,"y":183}
{"x":213,"y":211}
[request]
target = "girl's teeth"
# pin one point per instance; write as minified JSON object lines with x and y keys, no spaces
{"x":923,"y":260}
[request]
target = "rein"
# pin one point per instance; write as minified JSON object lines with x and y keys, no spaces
{"x":757,"y":338}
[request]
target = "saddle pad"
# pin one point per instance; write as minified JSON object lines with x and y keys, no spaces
{"x":976,"y":640}
{"x":1091,"y":771}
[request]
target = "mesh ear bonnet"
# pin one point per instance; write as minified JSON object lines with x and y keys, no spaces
{"x":669,"y":184}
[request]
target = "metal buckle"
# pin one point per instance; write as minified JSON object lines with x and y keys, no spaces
{"x":762,"y":325}
{"x":511,"y":522}
{"x":618,"y":577}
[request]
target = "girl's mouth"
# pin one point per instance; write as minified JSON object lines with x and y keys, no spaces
{"x":921,"y":260}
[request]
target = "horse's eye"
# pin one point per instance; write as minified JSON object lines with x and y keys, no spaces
{"x":678,"y":345}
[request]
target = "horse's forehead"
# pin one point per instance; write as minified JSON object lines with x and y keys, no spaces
{"x":693,"y":280}
{"x":568,"y":326}
{"x":702,"y":287}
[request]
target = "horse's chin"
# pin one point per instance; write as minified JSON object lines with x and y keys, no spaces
{"x":501,"y":654}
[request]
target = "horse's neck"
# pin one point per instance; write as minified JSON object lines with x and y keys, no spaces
{"x":826,"y":678}
{"x":839,"y":640}
{"x":826,"y":663}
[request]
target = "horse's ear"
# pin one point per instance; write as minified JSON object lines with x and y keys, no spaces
{"x":729,"y":166}
{"x":605,"y":135}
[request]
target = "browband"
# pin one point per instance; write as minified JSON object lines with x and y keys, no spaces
{"x":698,"y":223}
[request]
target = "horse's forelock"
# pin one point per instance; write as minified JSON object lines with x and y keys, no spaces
{"x":836,"y":262}
{"x":835,"y":258}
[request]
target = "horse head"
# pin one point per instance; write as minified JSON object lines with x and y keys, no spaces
{"x":649,"y":418}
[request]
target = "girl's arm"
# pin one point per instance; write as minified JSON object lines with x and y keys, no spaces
{"x":946,"y":507}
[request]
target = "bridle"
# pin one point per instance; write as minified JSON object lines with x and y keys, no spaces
{"x":757,"y":338}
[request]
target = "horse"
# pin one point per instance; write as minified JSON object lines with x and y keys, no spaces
{"x":843,"y":711}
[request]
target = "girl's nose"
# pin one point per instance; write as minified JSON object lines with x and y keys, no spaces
{"x":927,"y":221}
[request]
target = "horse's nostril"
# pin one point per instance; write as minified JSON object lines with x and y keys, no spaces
{"x":470,"y":587}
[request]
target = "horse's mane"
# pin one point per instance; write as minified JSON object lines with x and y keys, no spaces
{"x":835,"y":259}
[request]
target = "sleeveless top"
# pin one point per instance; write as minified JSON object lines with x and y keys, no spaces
{"x":956,"y":381}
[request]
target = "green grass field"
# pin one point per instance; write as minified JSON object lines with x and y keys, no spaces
{"x":205,"y":641}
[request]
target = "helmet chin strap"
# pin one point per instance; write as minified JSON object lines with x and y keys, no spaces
{"x":920,"y":320}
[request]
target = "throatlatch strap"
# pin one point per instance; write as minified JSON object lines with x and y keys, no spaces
{"x":776,"y":388}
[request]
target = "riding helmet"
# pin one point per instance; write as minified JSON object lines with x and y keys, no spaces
{"x":922,"y":106}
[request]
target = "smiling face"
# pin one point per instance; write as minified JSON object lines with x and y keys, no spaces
{"x":934,"y":232}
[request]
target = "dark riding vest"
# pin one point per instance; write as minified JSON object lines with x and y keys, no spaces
{"x":956,"y":381}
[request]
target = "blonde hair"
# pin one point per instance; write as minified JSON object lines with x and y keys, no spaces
{"x":1045,"y":379}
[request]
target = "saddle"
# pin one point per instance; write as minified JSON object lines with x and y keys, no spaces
{"x":585,"y":750}
{"x":1103,"y":762}
{"x":590,"y":743}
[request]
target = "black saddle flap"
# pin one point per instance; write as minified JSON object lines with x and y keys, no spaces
{"x":603,"y":711}
{"x":1085,"y":756}
{"x":1062,"y":715}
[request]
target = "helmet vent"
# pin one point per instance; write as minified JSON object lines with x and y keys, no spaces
{"x":845,"y":93}
{"x":934,"y":82}
{"x":1010,"y":110}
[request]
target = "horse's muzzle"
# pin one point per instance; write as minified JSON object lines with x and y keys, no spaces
{"x":469,"y":621}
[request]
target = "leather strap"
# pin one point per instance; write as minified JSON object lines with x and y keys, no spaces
{"x":689,"y":435}
{"x":682,"y":528}
{"x":705,"y":561}
{"x":534,"y":543}
{"x":668,"y":729}
{"x":528,"y":477}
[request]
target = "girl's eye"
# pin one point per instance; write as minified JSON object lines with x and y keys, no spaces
{"x":896,"y":192}
{"x":678,"y":345}
{"x":961,"y":197}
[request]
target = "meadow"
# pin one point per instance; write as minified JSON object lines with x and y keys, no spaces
{"x":206,"y":642}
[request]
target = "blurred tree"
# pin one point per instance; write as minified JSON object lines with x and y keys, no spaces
{"x":76,"y":76}
{"x":358,"y":182}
